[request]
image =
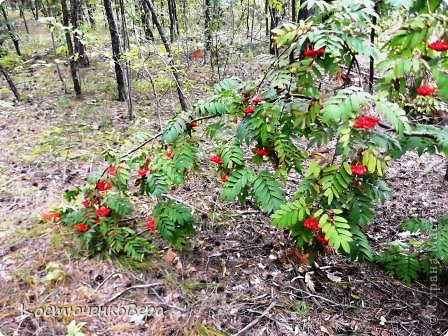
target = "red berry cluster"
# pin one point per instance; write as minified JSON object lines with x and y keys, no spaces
{"x":81,"y":227}
{"x":193,"y":124}
{"x":314,"y":53}
{"x":262,"y":152}
{"x":358,"y":169}
{"x":169,"y":154}
{"x":366,"y":122}
{"x":216,"y":159}
{"x":143,"y":172}
{"x":439,"y":46}
{"x":249,"y":110}
{"x":102,"y":212}
{"x":425,"y":90}
{"x":255,"y":101}
{"x":311,"y":224}
{"x":151,"y":224}
{"x":321,"y":239}
{"x":103,"y":185}
{"x":224,"y":177}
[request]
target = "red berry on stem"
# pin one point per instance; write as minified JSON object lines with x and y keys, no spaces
{"x":81,"y":227}
{"x":103,"y":185}
{"x":256,"y":100}
{"x":143,"y":172}
{"x":262,"y":152}
{"x":321,"y":239}
{"x":311,"y":224}
{"x":366,"y":122}
{"x":216,"y":159}
{"x":249,"y":110}
{"x":151,"y":224}
{"x":111,"y":171}
{"x":358,"y":169}
{"x":102,"y":212}
{"x":439,"y":46}
{"x":425,"y":90}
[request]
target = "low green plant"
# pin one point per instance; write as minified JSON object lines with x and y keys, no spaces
{"x":261,"y":133}
{"x":414,"y":258}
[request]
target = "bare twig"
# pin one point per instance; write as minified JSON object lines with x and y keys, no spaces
{"x":132,"y":287}
{"x":254,"y":322}
{"x":105,"y":280}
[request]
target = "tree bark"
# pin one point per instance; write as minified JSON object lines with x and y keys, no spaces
{"x":90,"y":13}
{"x":12,"y":33}
{"x":64,"y":87}
{"x":182,"y":100}
{"x":53,"y":41}
{"x":208,"y":32}
{"x":145,"y":19}
{"x":74,"y":68}
{"x":22,"y":14}
{"x":293,"y":10}
{"x":11,"y":84}
{"x":273,"y":24}
{"x":266,"y":12}
{"x":172,"y":17}
{"x":252,"y":23}
{"x":38,"y":4}
{"x":116,"y":54}
{"x":126,"y":46}
{"x":83,"y":60}
{"x":372,"y":40}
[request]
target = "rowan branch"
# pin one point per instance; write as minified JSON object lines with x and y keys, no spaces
{"x":410,"y":134}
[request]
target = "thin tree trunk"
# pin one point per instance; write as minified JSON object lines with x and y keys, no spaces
{"x":22,"y":14}
{"x":11,"y":84}
{"x":208,"y":32}
{"x":61,"y":78}
{"x":12,"y":33}
{"x":156,"y":21}
{"x":71,"y":53}
{"x":126,"y":46}
{"x":372,"y":41}
{"x":38,"y":4}
{"x":272,"y":46}
{"x":115,"y":41}
{"x":176,"y":21}
{"x":293,"y":10}
{"x":64,"y":87}
{"x":171,"y":16}
{"x":145,"y":15}
{"x":33,"y":9}
{"x":91,"y":14}
{"x":252,"y":23}
{"x":247,"y":18}
{"x":266,"y":10}
{"x":83,"y":60}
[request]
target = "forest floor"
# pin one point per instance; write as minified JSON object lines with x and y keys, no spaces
{"x":238,"y":271}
